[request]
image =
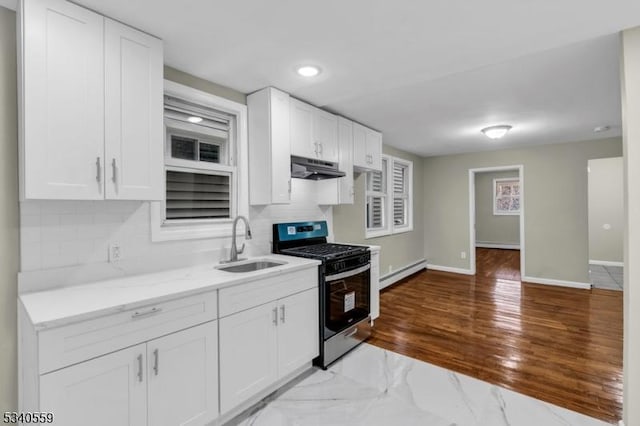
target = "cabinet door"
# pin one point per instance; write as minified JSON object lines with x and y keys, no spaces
{"x":133,"y":114}
{"x":301,"y":129}
{"x":345,"y":145}
{"x":298,"y":331}
{"x":374,"y":149}
{"x":248,"y":354}
{"x":183,"y":376}
{"x":325,"y":130}
{"x":280,"y":148}
{"x":62,"y":92}
{"x":360,"y":158}
{"x":105,"y":391}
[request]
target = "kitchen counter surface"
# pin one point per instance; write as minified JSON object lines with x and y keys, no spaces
{"x":62,"y":306}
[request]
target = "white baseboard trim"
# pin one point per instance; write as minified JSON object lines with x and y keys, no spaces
{"x":401,"y":273}
{"x":560,"y":283}
{"x":605,"y":263}
{"x":483,"y":244}
{"x":449,"y":269}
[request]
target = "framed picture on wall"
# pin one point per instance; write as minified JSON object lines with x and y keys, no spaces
{"x":506,"y":196}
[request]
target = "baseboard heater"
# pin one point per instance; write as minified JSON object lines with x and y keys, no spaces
{"x":401,"y":273}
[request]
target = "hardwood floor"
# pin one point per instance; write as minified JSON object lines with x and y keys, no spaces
{"x":560,"y":345}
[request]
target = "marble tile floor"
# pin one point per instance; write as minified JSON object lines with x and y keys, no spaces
{"x":606,"y":277}
{"x":375,"y":387}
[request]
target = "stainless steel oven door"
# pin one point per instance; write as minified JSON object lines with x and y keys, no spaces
{"x":346,"y":298}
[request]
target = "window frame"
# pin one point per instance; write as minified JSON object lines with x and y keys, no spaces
{"x":391,"y":228}
{"x":206,"y":228}
{"x":384,"y":195}
{"x":497,"y":212}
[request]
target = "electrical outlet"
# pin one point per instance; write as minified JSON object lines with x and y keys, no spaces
{"x":390,"y":268}
{"x":115,"y":252}
{"x":463,"y":255}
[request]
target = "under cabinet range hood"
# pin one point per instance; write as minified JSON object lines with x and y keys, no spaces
{"x":308,"y":168}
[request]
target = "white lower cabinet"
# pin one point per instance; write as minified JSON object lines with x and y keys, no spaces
{"x":104,"y":391}
{"x":172,"y":380}
{"x":263,"y":344}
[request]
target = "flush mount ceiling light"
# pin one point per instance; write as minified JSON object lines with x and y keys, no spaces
{"x":194,"y":119}
{"x":308,"y":71}
{"x":601,"y":129}
{"x":496,"y":132}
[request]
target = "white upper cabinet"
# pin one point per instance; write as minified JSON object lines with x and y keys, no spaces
{"x":62,"y":116}
{"x":325,"y":131}
{"x":67,"y":125}
{"x":301,"y":125}
{"x":269,"y":147}
{"x":133,"y":113}
{"x":314,"y":132}
{"x":367,"y":148}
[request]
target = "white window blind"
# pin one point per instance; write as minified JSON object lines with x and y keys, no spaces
{"x":389,"y":195}
{"x":197,"y":196}
{"x":376,"y":196}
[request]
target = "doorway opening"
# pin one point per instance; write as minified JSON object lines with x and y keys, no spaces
{"x":606,"y":223}
{"x":496,"y":222}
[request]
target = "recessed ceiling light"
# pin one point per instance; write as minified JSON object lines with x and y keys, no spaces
{"x":600,"y":129}
{"x":194,"y":119}
{"x":308,"y":71}
{"x":496,"y":132}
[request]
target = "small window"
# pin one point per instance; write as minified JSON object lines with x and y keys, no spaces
{"x":199,"y":165}
{"x":205,"y":160}
{"x":376,"y":199}
{"x":389,"y":201}
{"x":506,"y":196}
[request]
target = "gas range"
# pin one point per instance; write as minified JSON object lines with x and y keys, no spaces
{"x":344,"y":285}
{"x":325,"y":251}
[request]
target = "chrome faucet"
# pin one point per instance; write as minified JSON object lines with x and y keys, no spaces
{"x":247,"y":236}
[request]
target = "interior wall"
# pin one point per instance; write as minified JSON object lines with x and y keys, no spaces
{"x":397,"y":250}
{"x":555,"y":186}
{"x":631,"y":142}
{"x":9,"y":218}
{"x":606,"y":210}
{"x":490,"y":228}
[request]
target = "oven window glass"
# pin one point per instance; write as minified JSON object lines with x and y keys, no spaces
{"x":347,"y":301}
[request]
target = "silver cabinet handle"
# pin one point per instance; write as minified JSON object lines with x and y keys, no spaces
{"x":114,"y":169}
{"x":275,"y":316}
{"x":140,"y":368}
{"x":282,"y":314}
{"x":316,"y":150}
{"x":289,"y":185}
{"x":156,"y":361}
{"x":98,"y":171}
{"x":142,"y":314}
{"x":320,"y":148}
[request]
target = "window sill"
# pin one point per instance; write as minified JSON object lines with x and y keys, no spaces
{"x":402,"y":229}
{"x":377,"y":233}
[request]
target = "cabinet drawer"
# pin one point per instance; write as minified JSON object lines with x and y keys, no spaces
{"x":245,"y":296}
{"x":70,"y":344}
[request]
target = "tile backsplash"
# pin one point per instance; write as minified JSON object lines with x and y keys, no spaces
{"x":67,"y":242}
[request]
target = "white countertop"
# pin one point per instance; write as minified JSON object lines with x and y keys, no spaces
{"x":54,"y":308}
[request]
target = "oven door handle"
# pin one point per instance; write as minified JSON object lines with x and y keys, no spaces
{"x":347,"y":274}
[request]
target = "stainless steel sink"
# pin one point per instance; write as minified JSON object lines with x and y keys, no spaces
{"x":250,"y":266}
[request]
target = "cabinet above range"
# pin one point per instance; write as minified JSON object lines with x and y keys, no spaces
{"x":281,"y":126}
{"x":91,"y":116}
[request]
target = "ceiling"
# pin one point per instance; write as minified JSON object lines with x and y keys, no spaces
{"x":429,"y":75}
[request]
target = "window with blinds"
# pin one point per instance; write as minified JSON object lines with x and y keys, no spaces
{"x":199,"y":163}
{"x":376,"y":198}
{"x":389,"y":195}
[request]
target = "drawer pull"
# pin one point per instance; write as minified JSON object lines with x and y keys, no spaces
{"x":275,"y":316}
{"x":156,"y":363}
{"x":282,"y":314}
{"x":144,"y":314}
{"x":140,"y":368}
